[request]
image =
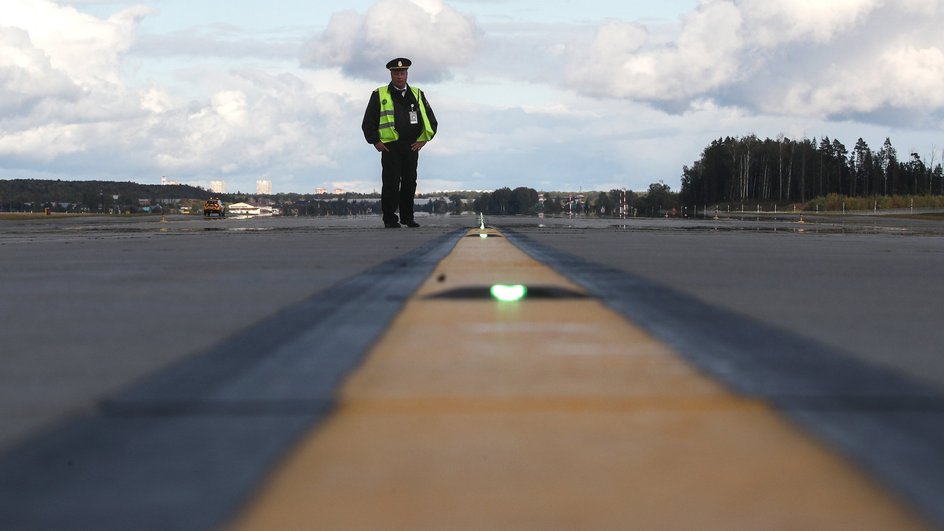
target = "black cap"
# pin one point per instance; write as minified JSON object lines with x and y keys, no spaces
{"x":400,"y":63}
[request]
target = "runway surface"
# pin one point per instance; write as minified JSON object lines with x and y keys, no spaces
{"x":172,"y":366}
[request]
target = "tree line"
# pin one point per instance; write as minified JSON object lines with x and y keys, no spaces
{"x":790,"y":171}
{"x":730,"y":170}
{"x":658,"y":200}
{"x":33,"y":194}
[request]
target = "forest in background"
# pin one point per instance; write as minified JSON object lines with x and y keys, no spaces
{"x":29,"y":195}
{"x":748,"y":169}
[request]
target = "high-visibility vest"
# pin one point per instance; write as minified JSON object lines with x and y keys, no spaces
{"x":388,"y":133}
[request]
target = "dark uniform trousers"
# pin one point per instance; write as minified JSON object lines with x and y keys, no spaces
{"x":399,"y":181}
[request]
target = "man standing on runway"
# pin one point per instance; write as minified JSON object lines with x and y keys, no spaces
{"x":398,"y":122}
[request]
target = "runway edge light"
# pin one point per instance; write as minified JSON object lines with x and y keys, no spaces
{"x":508,"y":293}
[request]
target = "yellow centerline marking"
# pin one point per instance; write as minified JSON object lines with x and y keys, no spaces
{"x":541,"y":414}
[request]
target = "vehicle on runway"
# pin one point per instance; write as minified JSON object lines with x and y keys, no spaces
{"x":214,"y":206}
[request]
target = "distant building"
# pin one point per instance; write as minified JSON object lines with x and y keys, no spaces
{"x":321,"y":191}
{"x":165,"y":181}
{"x":218,"y":187}
{"x":264,"y":186}
{"x":245,"y":209}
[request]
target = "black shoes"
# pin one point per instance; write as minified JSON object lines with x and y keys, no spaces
{"x":395,"y":225}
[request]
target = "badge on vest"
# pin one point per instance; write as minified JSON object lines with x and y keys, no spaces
{"x":414,"y":119}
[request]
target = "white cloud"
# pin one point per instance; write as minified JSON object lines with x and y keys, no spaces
{"x":61,"y":81}
{"x":789,"y":57}
{"x":264,"y":123}
{"x":27,"y":75}
{"x":907,"y":78}
{"x":772,"y":23}
{"x":230,"y":105}
{"x":84,"y":48}
{"x":44,"y":142}
{"x":618,"y":64}
{"x":916,"y":76}
{"x":430,"y":32}
{"x":68,"y":105}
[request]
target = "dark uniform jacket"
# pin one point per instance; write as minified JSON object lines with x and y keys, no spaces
{"x":401,"y":115}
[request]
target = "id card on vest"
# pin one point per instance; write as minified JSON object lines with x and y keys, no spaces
{"x":414,"y":118}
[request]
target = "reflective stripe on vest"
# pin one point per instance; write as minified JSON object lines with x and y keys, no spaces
{"x":388,"y":133}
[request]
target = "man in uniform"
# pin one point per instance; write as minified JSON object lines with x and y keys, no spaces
{"x":398,"y":122}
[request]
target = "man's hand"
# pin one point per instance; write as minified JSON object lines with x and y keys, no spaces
{"x":417,"y":146}
{"x":380,"y":146}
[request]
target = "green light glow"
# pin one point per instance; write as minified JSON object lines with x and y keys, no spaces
{"x":483,"y":236}
{"x":508,"y":293}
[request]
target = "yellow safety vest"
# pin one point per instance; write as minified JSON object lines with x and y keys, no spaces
{"x":388,"y":133}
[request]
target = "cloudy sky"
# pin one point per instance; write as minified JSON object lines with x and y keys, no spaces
{"x":554,"y":95}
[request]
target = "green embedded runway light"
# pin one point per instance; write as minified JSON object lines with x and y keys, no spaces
{"x":508,"y":293}
{"x":483,"y":236}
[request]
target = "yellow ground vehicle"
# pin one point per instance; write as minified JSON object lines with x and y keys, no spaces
{"x":214,"y":206}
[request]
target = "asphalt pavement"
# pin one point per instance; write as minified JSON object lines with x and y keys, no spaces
{"x":870,"y":288}
{"x":91,"y":304}
{"x":99,"y":312}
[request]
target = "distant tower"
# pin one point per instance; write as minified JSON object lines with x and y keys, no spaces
{"x":264,"y":187}
{"x":218,"y":187}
